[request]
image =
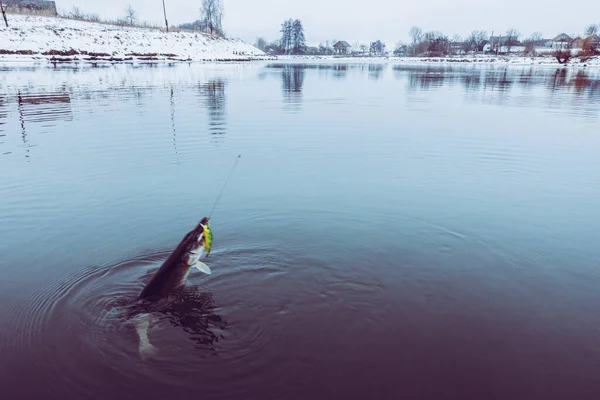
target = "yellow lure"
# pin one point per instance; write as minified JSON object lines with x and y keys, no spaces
{"x":208,"y":239}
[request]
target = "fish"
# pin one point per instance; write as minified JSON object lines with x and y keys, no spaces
{"x":174,"y":271}
{"x":171,"y":276}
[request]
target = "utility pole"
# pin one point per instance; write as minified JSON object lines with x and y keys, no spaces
{"x":3,"y":13}
{"x":165,"y":12}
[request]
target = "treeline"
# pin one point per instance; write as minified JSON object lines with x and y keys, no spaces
{"x":293,"y":42}
{"x":210,"y":21}
{"x":434,"y":43}
{"x":129,"y":18}
{"x":211,"y":16}
{"x":437,"y":44}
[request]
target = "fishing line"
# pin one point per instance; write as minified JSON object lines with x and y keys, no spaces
{"x":224,"y":186}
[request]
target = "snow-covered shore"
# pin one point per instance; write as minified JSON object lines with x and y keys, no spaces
{"x":37,"y":38}
{"x":31,"y":38}
{"x":511,"y":60}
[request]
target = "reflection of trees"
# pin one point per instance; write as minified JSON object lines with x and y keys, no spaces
{"x":471,"y":82}
{"x":375,"y":71}
{"x":292,"y":80}
{"x":526,"y":79}
{"x":214,"y":99}
{"x":581,"y":82}
{"x":558,"y":80}
{"x":340,"y":71}
{"x":500,"y":81}
{"x":424,"y":78}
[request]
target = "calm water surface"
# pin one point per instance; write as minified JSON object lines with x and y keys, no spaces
{"x":390,"y":231}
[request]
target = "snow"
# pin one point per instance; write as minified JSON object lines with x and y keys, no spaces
{"x":37,"y":34}
{"x":511,"y":60}
{"x":72,"y":40}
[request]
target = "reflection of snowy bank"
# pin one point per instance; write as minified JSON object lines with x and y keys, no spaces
{"x":41,"y":38}
{"x":515,"y":60}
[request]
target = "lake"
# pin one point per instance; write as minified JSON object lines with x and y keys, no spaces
{"x":390,"y":231}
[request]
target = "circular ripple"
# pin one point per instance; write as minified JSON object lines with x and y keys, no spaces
{"x":83,"y":327}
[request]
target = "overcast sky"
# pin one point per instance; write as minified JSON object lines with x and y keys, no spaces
{"x":387,"y":20}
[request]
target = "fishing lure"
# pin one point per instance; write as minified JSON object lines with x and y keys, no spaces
{"x":207,"y":238}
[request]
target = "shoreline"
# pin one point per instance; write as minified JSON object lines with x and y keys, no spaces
{"x":546,"y":61}
{"x":33,"y":38}
{"x":53,"y":40}
{"x":79,"y":57}
{"x":92,"y":58}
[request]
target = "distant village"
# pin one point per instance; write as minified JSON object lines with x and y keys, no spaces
{"x":494,"y":45}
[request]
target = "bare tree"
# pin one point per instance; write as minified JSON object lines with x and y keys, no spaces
{"x":591,"y":30}
{"x":261,"y":43}
{"x":131,"y":15}
{"x":76,"y":13}
{"x":563,"y":53}
{"x":536,"y":37}
{"x":478,"y":39}
{"x":456,"y":45}
{"x":212,"y":14}
{"x":416,"y":35}
{"x":531,"y":43}
{"x":512,"y":38}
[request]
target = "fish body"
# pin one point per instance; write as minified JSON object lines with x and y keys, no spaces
{"x":174,"y":271}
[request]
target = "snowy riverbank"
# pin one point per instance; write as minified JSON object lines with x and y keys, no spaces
{"x":31,"y":38}
{"x":512,"y":60}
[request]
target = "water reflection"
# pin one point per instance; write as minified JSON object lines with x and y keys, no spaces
{"x":3,"y":112}
{"x":193,"y":311}
{"x":172,"y":103}
{"x":44,"y":107}
{"x":214,"y":100}
{"x":3,"y":120}
{"x":340,"y":71}
{"x":291,"y":72}
{"x":498,"y":79}
{"x":292,"y":79}
{"x":376,"y":71}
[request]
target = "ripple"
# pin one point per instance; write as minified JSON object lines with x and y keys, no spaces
{"x":83,"y":325}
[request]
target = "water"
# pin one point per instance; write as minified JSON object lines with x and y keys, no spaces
{"x":390,"y":231}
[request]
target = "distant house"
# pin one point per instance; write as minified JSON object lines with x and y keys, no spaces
{"x":503,"y":44}
{"x":561,"y":41}
{"x":594,"y":39}
{"x":31,"y":5}
{"x":494,"y":42}
{"x":342,"y":47}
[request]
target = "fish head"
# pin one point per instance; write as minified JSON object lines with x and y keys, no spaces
{"x":196,"y":243}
